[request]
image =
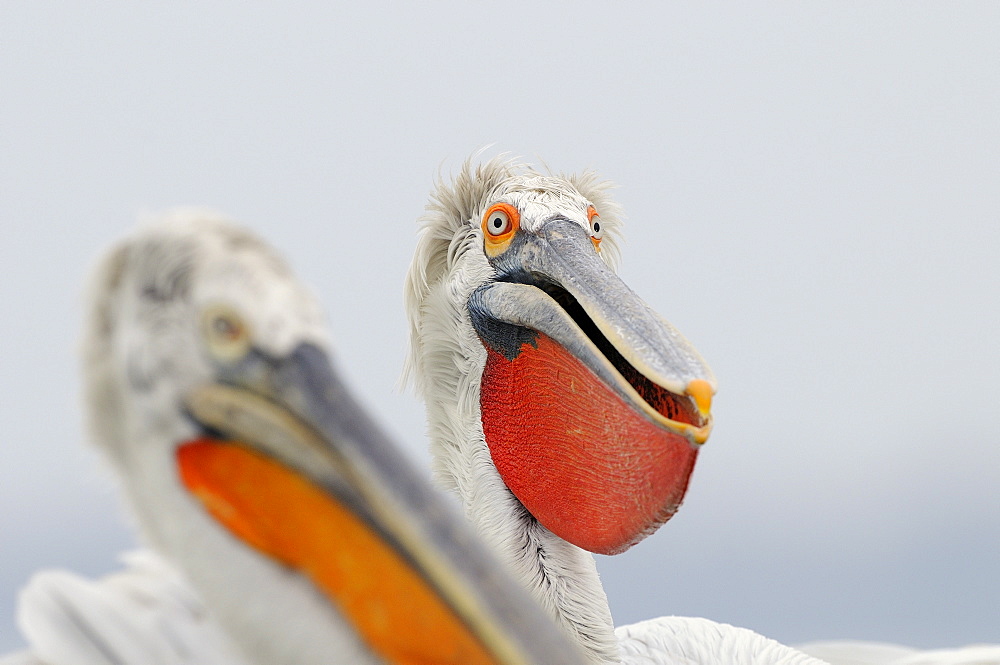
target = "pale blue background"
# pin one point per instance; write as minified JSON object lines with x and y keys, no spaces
{"x":813,"y":197}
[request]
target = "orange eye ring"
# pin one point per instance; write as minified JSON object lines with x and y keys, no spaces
{"x":500,"y":222}
{"x":596,"y":227}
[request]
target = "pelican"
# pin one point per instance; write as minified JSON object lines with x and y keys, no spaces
{"x":287,"y":527}
{"x":543,"y":373}
{"x":564,"y":412}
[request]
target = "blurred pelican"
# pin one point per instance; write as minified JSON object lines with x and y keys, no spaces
{"x":304,"y":534}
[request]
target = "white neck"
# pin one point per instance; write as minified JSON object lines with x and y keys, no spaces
{"x":561,"y":576}
{"x":273,"y":616}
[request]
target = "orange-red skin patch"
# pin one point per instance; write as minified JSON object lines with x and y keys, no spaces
{"x":281,"y":514}
{"x":590,"y":467}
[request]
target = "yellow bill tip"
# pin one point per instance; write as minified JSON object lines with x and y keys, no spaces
{"x":701,"y":392}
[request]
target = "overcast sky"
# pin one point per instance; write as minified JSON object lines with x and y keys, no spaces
{"x":812,"y":194}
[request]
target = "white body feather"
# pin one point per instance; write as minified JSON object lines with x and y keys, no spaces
{"x":694,"y":641}
{"x":843,"y":652}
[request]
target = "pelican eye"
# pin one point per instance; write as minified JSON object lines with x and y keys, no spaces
{"x":596,"y":228}
{"x":226,"y":333}
{"x":500,"y":223}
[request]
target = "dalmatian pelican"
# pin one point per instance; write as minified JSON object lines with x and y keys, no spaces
{"x":300,"y":533}
{"x":565,"y":413}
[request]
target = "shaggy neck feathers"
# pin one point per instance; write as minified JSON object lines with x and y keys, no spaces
{"x":446,"y":364}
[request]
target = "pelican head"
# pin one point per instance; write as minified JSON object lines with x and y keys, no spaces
{"x":251,"y":467}
{"x":537,"y":359}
